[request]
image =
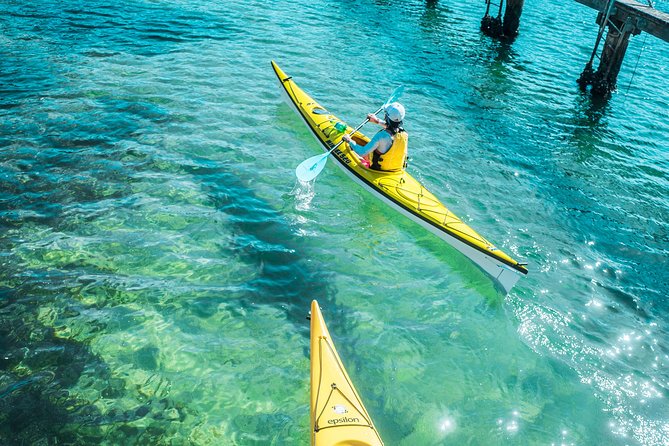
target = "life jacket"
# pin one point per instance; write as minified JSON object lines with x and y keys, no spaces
{"x":396,"y":157}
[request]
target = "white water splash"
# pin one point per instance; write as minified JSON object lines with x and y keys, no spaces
{"x":303,"y":192}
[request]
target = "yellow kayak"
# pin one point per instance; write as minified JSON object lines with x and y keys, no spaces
{"x":338,"y":417}
{"x":400,"y":190}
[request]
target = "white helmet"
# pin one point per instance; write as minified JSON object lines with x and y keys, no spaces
{"x":395,"y":112}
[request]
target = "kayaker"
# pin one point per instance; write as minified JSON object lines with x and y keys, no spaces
{"x":387,"y":150}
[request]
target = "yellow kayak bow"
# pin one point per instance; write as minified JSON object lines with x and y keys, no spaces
{"x":338,"y":417}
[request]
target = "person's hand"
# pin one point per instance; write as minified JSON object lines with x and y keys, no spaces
{"x":372,"y":118}
{"x":347,"y":138}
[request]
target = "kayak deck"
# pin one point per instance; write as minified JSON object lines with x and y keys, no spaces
{"x":400,"y":190}
{"x":338,"y":416}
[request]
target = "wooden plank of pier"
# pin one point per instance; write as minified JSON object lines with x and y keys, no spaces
{"x":642,"y":17}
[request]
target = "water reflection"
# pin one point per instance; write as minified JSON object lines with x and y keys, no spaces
{"x":589,"y":123}
{"x":434,"y":16}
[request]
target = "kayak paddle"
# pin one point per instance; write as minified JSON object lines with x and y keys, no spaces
{"x":311,"y":167}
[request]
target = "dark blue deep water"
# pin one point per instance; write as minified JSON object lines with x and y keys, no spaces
{"x":157,"y":257}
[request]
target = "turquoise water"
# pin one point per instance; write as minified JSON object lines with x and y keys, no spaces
{"x":158,"y":258}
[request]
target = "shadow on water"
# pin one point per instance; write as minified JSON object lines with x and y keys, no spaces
{"x":38,"y":367}
{"x":475,"y":278}
{"x":264,"y":238}
{"x":145,"y":29}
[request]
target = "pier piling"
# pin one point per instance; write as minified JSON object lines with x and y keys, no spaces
{"x":492,"y":26}
{"x":514,"y":8}
{"x":503,"y":29}
{"x":621,"y":19}
{"x":615,"y":46}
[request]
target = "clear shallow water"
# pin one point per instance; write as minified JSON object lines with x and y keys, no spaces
{"x":158,"y":259}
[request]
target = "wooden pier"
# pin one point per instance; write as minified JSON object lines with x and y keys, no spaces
{"x":620,"y":18}
{"x":643,"y":17}
{"x":623,"y":18}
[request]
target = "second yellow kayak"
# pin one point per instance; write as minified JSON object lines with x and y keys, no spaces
{"x":338,"y":417}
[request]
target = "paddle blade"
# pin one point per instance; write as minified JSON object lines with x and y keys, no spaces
{"x":310,"y":168}
{"x":397,"y":93}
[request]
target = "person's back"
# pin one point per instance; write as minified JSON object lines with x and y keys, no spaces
{"x":395,"y":157}
{"x":387,"y":151}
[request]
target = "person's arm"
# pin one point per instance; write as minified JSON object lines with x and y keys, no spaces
{"x":380,"y":142}
{"x":373,"y":118}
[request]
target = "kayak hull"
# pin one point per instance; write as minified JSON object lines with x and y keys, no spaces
{"x":338,"y":416}
{"x":400,"y":190}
